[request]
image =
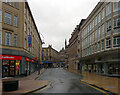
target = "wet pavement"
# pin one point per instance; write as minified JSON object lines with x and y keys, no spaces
{"x":63,"y":81}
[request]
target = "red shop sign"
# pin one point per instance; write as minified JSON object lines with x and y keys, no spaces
{"x":32,"y":61}
{"x":10,"y":57}
{"x":27,"y":59}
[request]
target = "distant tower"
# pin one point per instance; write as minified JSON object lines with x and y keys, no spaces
{"x":65,"y":43}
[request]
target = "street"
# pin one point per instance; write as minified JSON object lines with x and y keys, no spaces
{"x":63,"y":81}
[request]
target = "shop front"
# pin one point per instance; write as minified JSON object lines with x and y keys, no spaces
{"x":29,"y":65}
{"x":10,"y":65}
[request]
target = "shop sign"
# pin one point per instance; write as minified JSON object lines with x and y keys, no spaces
{"x":10,"y":57}
{"x":35,"y":58}
{"x":32,"y":61}
{"x":27,"y":59}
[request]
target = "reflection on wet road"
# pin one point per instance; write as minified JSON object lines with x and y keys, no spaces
{"x":65,"y":82}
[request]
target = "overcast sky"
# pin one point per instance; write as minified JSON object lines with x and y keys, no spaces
{"x":56,"y":19}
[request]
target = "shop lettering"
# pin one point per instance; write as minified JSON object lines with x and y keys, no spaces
{"x":8,"y":57}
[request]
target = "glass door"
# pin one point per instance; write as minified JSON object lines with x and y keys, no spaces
{"x":5,"y":68}
{"x":12,"y":68}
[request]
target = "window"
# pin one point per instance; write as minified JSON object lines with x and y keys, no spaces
{"x":8,"y":39}
{"x":117,"y":22}
{"x":15,"y":20}
{"x":15,"y":40}
{"x":15,"y":4}
{"x":95,"y":20}
{"x":95,"y":47}
{"x":25,"y":41}
{"x":98,"y":46}
{"x":9,"y":2}
{"x":99,"y":17}
{"x":0,"y":15}
{"x":108,"y":9}
{"x":25,"y":11}
{"x":25,"y":27}
{"x":93,"y":37}
{"x":108,"y":43}
{"x":0,"y":37}
{"x":99,"y":33}
{"x":116,"y":6}
{"x":7,"y":18}
{"x":102,"y":33}
{"x":103,"y":13}
{"x":116,"y":41}
{"x":102,"y":44}
{"x":108,"y":25}
{"x":96,"y":35}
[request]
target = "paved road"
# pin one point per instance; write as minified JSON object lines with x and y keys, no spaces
{"x":65,"y":82}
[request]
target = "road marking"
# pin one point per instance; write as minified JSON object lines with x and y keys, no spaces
{"x":43,"y":88}
{"x":94,"y":87}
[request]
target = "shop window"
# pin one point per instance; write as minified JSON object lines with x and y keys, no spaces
{"x":12,"y":68}
{"x":5,"y":68}
{"x":116,"y":41}
{"x":17,"y":67}
{"x":7,"y":18}
{"x":8,"y":39}
{"x":108,"y":43}
{"x":116,"y":23}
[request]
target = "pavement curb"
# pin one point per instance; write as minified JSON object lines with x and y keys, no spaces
{"x":35,"y":90}
{"x":107,"y":91}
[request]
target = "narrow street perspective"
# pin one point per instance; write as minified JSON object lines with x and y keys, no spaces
{"x":62,"y":81}
{"x":60,"y":47}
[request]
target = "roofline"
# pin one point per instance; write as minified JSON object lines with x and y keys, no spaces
{"x":33,"y":20}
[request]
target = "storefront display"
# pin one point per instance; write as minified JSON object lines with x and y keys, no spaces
{"x":10,"y":65}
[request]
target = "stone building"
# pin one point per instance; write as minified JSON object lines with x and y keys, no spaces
{"x":72,"y":49}
{"x":50,"y":56}
{"x":99,"y":39}
{"x":20,"y":41}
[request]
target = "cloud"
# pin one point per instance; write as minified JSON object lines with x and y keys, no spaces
{"x":56,"y":19}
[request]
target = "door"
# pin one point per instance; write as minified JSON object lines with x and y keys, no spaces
{"x":5,"y":68}
{"x":12,"y":68}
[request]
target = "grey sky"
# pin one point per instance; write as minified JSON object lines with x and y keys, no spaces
{"x":56,"y":19}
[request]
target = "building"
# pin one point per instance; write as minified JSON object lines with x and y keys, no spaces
{"x":62,"y":57}
{"x":72,"y":49}
{"x":19,"y":40}
{"x":50,"y":56}
{"x":99,"y":39}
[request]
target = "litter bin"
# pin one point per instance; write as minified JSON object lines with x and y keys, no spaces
{"x":10,"y":85}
